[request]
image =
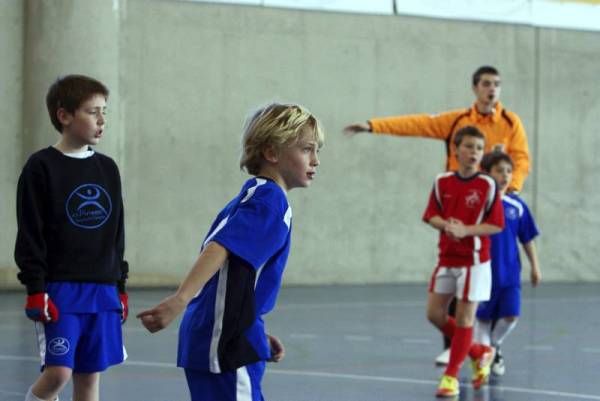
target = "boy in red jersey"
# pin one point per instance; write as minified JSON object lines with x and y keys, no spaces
{"x":465,"y":207}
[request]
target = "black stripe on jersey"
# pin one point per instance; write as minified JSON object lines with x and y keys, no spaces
{"x":234,"y":350}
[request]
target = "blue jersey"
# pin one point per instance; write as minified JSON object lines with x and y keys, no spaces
{"x":222,"y":328}
{"x":518,"y":224}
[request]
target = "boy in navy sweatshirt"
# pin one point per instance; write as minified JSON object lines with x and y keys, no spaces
{"x":70,"y":245}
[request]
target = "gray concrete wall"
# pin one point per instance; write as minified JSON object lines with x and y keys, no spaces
{"x":185,"y":75}
{"x":11,"y":115}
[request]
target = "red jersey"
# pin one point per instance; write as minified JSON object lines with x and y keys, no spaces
{"x":472,"y":200}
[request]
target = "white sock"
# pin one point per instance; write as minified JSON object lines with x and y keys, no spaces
{"x":32,"y":397}
{"x":502,"y":330}
{"x":481,"y":332}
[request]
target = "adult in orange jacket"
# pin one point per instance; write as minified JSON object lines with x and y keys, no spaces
{"x":503,"y":129}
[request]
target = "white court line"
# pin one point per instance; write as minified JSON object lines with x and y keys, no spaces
{"x":395,"y":304}
{"x":538,"y":348}
{"x":428,"y":382}
{"x":415,"y":341}
{"x":12,"y":393}
{"x":13,"y":313}
{"x":352,"y":337}
{"x":355,"y":377}
{"x":303,"y":336}
{"x":347,"y":305}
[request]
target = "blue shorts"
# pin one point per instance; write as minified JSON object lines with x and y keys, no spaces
{"x":84,"y":342}
{"x":504,"y":302}
{"x":242,"y":384}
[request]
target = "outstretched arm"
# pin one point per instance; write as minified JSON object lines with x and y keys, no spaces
{"x":531,"y":252}
{"x":356,"y":128}
{"x":208,"y":263}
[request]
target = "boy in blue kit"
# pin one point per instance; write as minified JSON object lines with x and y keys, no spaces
{"x":70,"y":245}
{"x":504,"y":305}
{"x":223,"y":345}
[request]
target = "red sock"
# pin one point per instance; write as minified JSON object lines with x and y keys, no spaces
{"x":477,"y":350}
{"x":449,"y":328}
{"x":461,"y":343}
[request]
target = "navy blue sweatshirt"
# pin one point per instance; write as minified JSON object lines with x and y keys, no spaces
{"x":70,"y":221}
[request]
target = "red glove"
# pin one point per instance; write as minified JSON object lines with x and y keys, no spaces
{"x":124,"y":306}
{"x":39,"y":307}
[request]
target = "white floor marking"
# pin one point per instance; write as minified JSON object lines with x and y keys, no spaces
{"x":427,"y":382}
{"x":352,"y":337}
{"x":351,"y":305}
{"x":538,"y":348}
{"x":347,"y":376}
{"x":12,"y":393}
{"x":303,"y":336}
{"x":416,"y":341}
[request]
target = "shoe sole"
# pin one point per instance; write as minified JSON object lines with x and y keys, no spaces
{"x":448,"y":395}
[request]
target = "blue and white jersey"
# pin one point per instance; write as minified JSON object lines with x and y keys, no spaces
{"x":518,"y":224}
{"x":222,"y":328}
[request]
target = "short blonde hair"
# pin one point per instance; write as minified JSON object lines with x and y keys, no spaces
{"x":275,"y":125}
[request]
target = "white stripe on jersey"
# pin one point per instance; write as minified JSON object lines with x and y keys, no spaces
{"x":243,"y":385}
{"x":514,"y":203}
{"x":492,"y":193}
{"x":489,"y":201}
{"x":213,"y":356}
{"x":287,"y":218}
{"x":216,"y":230}
{"x":251,"y":190}
{"x":436,"y":186}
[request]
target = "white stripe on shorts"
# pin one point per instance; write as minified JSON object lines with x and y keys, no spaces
{"x":243,"y":385}
{"x":41,"y":338}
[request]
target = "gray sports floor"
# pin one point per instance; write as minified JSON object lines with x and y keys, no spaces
{"x":359,"y":343}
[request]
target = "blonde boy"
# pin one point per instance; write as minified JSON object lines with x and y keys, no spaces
{"x":223,"y":345}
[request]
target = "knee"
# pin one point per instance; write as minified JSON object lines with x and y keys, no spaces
{"x":435,"y":317}
{"x":86,"y":380}
{"x":465,"y":321}
{"x":510,"y":319}
{"x":56,"y":376}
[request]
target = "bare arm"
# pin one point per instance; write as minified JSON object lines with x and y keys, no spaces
{"x":531,"y":252}
{"x":457,"y":229}
{"x":277,"y":348}
{"x":208,"y":263}
{"x":438,"y":223}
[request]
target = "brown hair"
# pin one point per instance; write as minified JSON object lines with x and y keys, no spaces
{"x":469,"y":130}
{"x":491,"y":159}
{"x":69,"y":92}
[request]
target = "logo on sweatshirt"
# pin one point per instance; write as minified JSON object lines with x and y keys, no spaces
{"x":58,"y":346}
{"x":88,"y":206}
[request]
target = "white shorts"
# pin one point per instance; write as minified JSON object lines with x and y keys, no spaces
{"x":467,"y":283}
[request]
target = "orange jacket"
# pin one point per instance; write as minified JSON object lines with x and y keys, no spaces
{"x":501,"y":128}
